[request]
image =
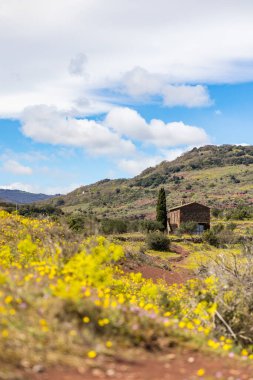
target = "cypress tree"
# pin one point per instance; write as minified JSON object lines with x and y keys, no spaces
{"x":161,"y":209}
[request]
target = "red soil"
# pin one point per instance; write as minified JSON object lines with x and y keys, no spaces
{"x":177,"y":275}
{"x":170,"y":277}
{"x":173,"y":366}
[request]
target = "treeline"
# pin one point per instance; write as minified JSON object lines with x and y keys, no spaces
{"x":209,"y":156}
{"x":213,"y":156}
{"x":90,"y":224}
{"x":31,"y":210}
{"x":83,"y":222}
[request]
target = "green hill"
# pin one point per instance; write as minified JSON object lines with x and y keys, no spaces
{"x":219,"y":176}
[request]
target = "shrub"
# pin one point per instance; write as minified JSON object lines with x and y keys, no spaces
{"x":151,"y":226}
{"x":111,"y":226}
{"x":227,"y":236}
{"x":234,"y":179}
{"x":211,"y":238}
{"x":219,"y":236}
{"x":216,"y":212}
{"x":76,"y":223}
{"x":59,"y":202}
{"x":39,"y":211}
{"x":239,"y":213}
{"x":158,"y":241}
{"x":231,"y":226}
{"x":218,"y":228}
{"x":188,"y":228}
{"x":235,"y":294}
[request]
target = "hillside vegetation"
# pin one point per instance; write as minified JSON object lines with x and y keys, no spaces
{"x":219,"y":176}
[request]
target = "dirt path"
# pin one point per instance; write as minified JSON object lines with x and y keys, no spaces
{"x":183,"y":365}
{"x":176,"y":274}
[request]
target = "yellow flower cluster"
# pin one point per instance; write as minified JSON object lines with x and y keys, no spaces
{"x":53,"y":299}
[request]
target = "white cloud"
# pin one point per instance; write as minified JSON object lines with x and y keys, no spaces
{"x":129,"y":123}
{"x":113,"y":136}
{"x":139,"y":82}
{"x":14,"y":167}
{"x":18,"y":186}
{"x":50,"y":190}
{"x":47,"y":125}
{"x":183,"y":42}
{"x":124,"y":135}
{"x":176,"y":133}
{"x":137,"y":165}
{"x":189,"y":96}
{"x":172,"y":154}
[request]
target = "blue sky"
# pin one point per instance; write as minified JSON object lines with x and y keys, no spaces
{"x":95,"y":89}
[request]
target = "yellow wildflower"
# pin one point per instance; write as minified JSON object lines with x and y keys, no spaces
{"x":92,"y":354}
{"x":201,"y":372}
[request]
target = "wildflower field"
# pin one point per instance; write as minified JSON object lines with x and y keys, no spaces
{"x":66,"y":301}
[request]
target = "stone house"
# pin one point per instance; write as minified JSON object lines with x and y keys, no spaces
{"x":190,"y":212}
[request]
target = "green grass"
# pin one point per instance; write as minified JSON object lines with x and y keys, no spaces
{"x":202,"y":253}
{"x":161,"y":254}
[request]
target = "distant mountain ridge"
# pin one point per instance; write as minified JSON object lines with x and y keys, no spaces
{"x":22,"y":197}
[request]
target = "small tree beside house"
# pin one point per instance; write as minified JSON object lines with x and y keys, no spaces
{"x":158,"y":241}
{"x":161,"y":209}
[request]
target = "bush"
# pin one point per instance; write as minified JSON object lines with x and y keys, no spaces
{"x":39,"y":211}
{"x":219,"y":236}
{"x":59,"y":202}
{"x":218,"y":228}
{"x":76,"y":223}
{"x":227,"y":236}
{"x":235,"y":294}
{"x":188,"y":228}
{"x":158,"y":241}
{"x":231,"y":226}
{"x":211,"y":238}
{"x":114,"y":226}
{"x":151,"y":226}
{"x":239,"y":213}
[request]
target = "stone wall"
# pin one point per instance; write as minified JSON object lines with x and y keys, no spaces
{"x":193,"y":212}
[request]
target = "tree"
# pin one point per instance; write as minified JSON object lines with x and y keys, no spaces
{"x":161,"y":209}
